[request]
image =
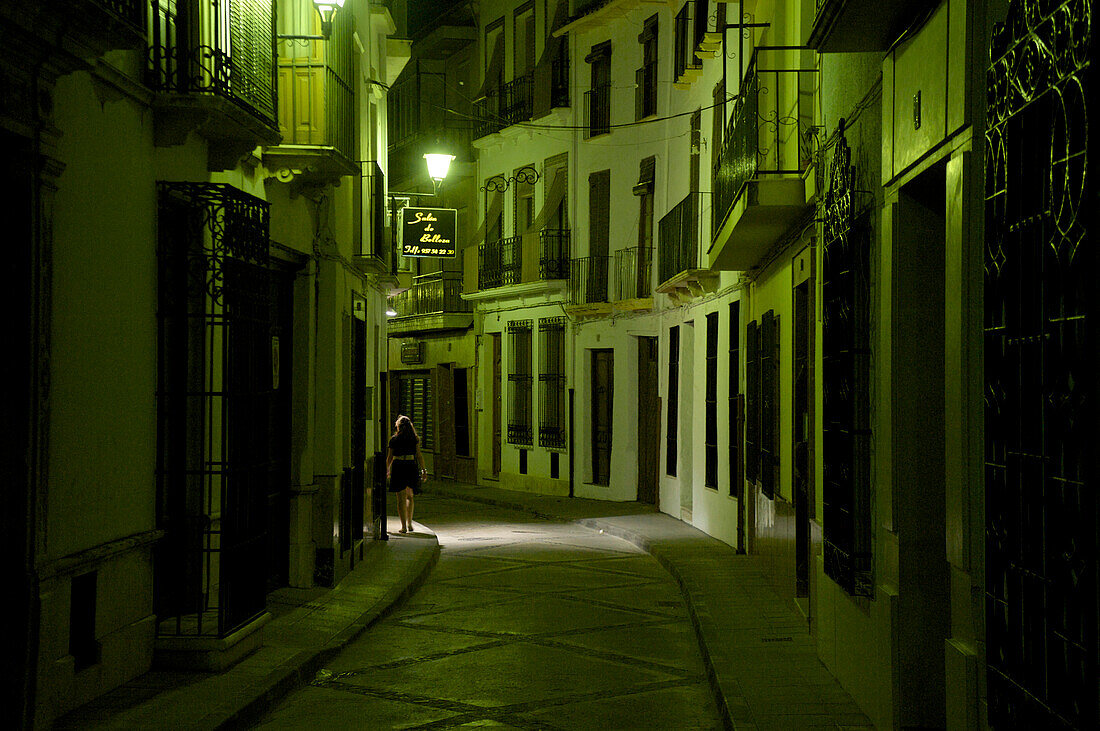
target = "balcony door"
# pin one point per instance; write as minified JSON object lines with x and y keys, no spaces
{"x":498,"y":374}
{"x":649,"y":422}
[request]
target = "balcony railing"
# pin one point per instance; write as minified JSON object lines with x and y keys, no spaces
{"x":588,"y":279}
{"x":433,"y":294}
{"x":316,"y":101}
{"x":597,"y":110}
{"x":224,"y":49}
{"x":678,"y":239}
{"x":504,"y":106}
{"x":374,"y":243}
{"x":769,"y":131}
{"x":633,"y":273}
{"x":513,"y":260}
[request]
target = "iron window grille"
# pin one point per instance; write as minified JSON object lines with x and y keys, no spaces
{"x":597,"y":100}
{"x":554,"y":253}
{"x":519,"y":382}
{"x":672,"y":425}
{"x":552,"y":383}
{"x":226,"y":49}
{"x":634,"y":268}
{"x":846,"y":364}
{"x":1040,"y":331}
{"x":710,"y":476}
{"x":216,"y":440}
{"x":500,"y":262}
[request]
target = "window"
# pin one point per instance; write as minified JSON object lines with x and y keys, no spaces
{"x":414,"y":400}
{"x":735,"y":417}
{"x":524,"y":200}
{"x":597,"y":100}
{"x":645,"y":78}
{"x":519,"y":382}
{"x":672,"y":426}
{"x":552,"y":383}
{"x":711,"y":396}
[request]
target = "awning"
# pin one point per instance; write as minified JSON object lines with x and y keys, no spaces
{"x":493,"y":210}
{"x":554,"y":195}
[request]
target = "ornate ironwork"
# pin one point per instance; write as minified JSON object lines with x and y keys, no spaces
{"x":526,"y":175}
{"x":846,"y":331}
{"x":216,"y":446}
{"x":554,"y":253}
{"x":769,"y":131}
{"x":519,"y":382}
{"x":500,"y":263}
{"x":226,"y":49}
{"x":1040,"y":372}
{"x":552,"y":382}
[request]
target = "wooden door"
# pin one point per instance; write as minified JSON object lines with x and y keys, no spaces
{"x":497,"y":407}
{"x":649,"y":422}
{"x":603,"y":374}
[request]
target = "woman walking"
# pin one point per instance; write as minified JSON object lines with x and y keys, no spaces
{"x":402,"y":458}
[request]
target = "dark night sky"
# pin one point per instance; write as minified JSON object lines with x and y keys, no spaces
{"x":422,"y":13}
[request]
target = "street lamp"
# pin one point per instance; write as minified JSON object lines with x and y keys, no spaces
{"x":438,"y":165}
{"x":327,"y":9}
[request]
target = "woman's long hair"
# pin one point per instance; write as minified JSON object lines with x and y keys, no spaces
{"x":404,"y":428}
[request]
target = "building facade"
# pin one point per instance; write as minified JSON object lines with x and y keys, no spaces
{"x":197,"y":200}
{"x":796,"y":315}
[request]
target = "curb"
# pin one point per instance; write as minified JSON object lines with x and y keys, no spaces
{"x":303,"y":667}
{"x":644,"y":543}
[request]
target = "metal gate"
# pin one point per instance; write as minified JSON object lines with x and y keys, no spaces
{"x":1040,"y":373}
{"x":214,"y":408}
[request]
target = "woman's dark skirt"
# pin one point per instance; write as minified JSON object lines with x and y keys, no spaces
{"x":405,"y":473}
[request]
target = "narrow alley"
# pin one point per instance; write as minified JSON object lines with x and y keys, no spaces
{"x":525,"y":623}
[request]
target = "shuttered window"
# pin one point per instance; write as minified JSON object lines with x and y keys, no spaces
{"x":552,"y":383}
{"x":414,"y":400}
{"x":734,"y":369}
{"x":599,"y":213}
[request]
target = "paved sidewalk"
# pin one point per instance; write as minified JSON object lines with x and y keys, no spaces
{"x":760,"y":659}
{"x":307,"y":629}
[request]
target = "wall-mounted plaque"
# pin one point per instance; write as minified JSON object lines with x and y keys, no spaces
{"x":429,"y":232}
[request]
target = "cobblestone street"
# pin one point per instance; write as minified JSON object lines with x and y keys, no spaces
{"x":523,"y":623}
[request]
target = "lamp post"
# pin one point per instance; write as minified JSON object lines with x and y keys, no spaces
{"x":327,"y":10}
{"x":439,"y":163}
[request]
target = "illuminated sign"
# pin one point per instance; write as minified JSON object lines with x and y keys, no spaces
{"x":428,"y":232}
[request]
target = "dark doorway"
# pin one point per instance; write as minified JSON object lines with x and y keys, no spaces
{"x":444,"y":461}
{"x":16,"y":394}
{"x":498,"y":373}
{"x":278,"y":496}
{"x":462,"y":413}
{"x":649,"y":422}
{"x":802,"y":426}
{"x":603,"y":376}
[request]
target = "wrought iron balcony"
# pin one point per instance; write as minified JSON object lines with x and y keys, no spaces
{"x":224,"y":49}
{"x":530,"y":257}
{"x":316,"y":100}
{"x":678,"y":239}
{"x":375,"y":252}
{"x":588,"y":279}
{"x":634,"y":273}
{"x":504,"y":106}
{"x":767,"y":147}
{"x":432,"y":294}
